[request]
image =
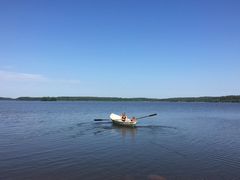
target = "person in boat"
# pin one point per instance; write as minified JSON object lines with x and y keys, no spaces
{"x":124,"y":117}
{"x":133,"y":119}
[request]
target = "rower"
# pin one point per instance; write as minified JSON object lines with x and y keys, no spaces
{"x":124,"y":117}
{"x":133,"y":119}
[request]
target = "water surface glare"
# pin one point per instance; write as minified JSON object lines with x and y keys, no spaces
{"x":60,"y":140}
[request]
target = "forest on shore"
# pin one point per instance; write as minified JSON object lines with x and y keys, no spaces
{"x":231,"y":98}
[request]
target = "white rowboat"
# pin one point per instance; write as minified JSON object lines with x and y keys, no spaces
{"x":116,"y":119}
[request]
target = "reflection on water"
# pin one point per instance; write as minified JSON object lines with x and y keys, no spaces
{"x":123,"y":131}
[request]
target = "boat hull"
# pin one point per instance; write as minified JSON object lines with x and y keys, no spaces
{"x":129,"y":124}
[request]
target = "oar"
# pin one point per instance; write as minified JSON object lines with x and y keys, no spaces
{"x":136,"y":118}
{"x":101,"y":119}
{"x":147,"y":116}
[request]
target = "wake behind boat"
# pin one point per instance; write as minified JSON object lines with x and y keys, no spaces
{"x":122,"y":120}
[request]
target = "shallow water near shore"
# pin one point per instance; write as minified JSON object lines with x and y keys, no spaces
{"x":60,"y":140}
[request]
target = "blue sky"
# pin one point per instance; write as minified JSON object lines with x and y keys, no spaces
{"x":127,"y":48}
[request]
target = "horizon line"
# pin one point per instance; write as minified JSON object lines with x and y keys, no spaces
{"x":120,"y":97}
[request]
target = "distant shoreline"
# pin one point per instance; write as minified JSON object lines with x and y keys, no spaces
{"x":230,"y":98}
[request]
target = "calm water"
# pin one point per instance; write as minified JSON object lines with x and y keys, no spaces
{"x":60,"y":140}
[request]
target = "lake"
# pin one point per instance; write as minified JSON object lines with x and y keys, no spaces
{"x":60,"y":140}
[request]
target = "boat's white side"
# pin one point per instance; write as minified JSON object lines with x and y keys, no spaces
{"x":118,"y":120}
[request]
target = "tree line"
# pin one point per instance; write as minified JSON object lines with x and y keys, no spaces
{"x":231,"y":98}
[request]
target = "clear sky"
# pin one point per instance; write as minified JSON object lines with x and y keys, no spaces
{"x":123,"y":48}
